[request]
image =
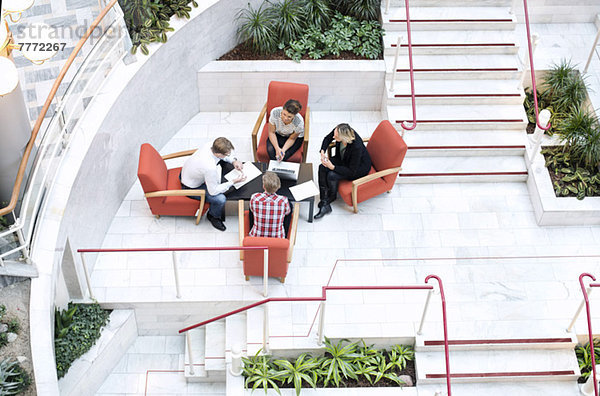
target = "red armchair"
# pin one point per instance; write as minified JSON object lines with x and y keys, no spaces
{"x":387,"y":150}
{"x":279,"y":92}
{"x":162,"y":187}
{"x":280,"y":249}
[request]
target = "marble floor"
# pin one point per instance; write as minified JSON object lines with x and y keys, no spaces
{"x":504,"y":276}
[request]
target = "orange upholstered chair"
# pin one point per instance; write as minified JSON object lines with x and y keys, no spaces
{"x":162,"y":187}
{"x":387,"y":150}
{"x":279,"y":92}
{"x":280,"y":249}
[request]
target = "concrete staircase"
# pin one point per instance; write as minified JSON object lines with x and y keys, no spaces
{"x":545,"y":366}
{"x":471,"y":121}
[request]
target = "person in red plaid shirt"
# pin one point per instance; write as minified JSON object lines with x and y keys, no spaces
{"x":269,"y":211}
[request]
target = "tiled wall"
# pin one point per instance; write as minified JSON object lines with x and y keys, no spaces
{"x":334,"y":85}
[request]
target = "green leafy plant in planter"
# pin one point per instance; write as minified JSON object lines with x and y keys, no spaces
{"x":301,"y":371}
{"x":316,"y":13}
{"x":260,"y":373}
{"x":78,"y":336}
{"x":287,"y":19}
{"x":580,"y":132}
{"x":584,"y":358}
{"x":569,"y":177}
{"x":148,"y":20}
{"x":339,"y":361}
{"x":256,"y":28}
{"x":13,"y":378}
{"x":345,"y":34}
{"x":360,"y":9}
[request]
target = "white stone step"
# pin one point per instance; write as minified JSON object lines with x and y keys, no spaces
{"x":460,"y":117}
{"x":457,"y":169}
{"x":464,"y":143}
{"x":450,"y":18}
{"x":215,"y":346}
{"x":457,"y":67}
{"x":455,"y":92}
{"x":198,"y":352}
{"x":439,"y":42}
{"x":525,"y":388}
{"x":518,"y":365}
{"x":564,"y":340}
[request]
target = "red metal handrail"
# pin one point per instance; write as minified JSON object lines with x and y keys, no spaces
{"x":324,"y":298}
{"x":589,"y":323}
{"x":532,"y":70}
{"x":173,"y":249}
{"x":412,"y":77}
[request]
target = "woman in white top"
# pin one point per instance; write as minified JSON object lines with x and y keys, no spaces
{"x":286,"y":131}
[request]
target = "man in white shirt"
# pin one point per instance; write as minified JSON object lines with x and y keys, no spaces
{"x":200,"y":172}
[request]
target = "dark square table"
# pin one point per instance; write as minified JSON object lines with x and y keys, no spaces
{"x":305,"y":174}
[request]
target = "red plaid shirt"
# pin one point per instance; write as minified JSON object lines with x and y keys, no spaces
{"x":269,"y":211}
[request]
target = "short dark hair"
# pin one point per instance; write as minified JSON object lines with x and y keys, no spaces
{"x":222,"y":145}
{"x":293,"y":106}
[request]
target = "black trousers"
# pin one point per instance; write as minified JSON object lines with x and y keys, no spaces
{"x":281,"y":141}
{"x":328,"y":184}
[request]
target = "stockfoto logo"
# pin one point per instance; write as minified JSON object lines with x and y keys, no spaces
{"x":41,"y":33}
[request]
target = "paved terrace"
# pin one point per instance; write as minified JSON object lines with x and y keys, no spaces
{"x":395,"y":236}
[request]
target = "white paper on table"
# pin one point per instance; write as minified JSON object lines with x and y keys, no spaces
{"x":250,"y":170}
{"x":304,"y":190}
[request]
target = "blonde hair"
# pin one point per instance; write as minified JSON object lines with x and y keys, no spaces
{"x":271,"y":182}
{"x":222,"y":145}
{"x":346,"y":133}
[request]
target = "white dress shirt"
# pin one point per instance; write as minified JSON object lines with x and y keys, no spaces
{"x":201,"y":168}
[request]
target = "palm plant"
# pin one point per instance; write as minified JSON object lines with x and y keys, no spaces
{"x":400,"y":355}
{"x":564,"y":87}
{"x":360,"y":9}
{"x":302,"y":370}
{"x":580,"y":131}
{"x":316,"y":13}
{"x":584,"y":357}
{"x":13,"y":379}
{"x":287,"y":17}
{"x":339,"y":361}
{"x":259,"y":372}
{"x":256,"y":28}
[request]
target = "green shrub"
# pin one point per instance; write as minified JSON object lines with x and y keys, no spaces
{"x":13,"y":378}
{"x":257,"y":29}
{"x":564,"y":87}
{"x":316,"y":13}
{"x":340,"y":364}
{"x":80,"y":335}
{"x":360,"y":9}
{"x":580,"y":132}
{"x":287,"y":19}
{"x":148,"y":20}
{"x":569,"y":177}
{"x":345,"y":34}
{"x":584,"y":357}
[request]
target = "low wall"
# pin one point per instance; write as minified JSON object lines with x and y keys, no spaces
{"x":334,"y":85}
{"x":559,"y":11}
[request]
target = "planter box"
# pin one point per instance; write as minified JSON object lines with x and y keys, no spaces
{"x":86,"y":374}
{"x":342,"y":85}
{"x":406,"y":391}
{"x":552,"y":210}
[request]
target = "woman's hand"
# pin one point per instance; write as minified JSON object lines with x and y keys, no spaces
{"x":326,"y":163}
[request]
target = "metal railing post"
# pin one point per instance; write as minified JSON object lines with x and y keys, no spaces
{"x":190,"y":354}
{"x":535,"y":39}
{"x":398,"y":44}
{"x":589,"y":291}
{"x":266,"y":328}
{"x":589,"y":60}
{"x":21,"y":239}
{"x":420,"y":331}
{"x":87,"y":276}
{"x":387,"y":6}
{"x":539,"y":132}
{"x":445,"y":323}
{"x":589,"y":324}
{"x":321,"y":323}
{"x":266,"y":272}
{"x":236,"y":360}
{"x":176,"y":273}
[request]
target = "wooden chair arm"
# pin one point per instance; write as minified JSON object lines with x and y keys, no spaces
{"x":373,"y":176}
{"x":306,"y":134}
{"x":241,"y":225}
{"x":293,"y":230}
{"x":330,"y":149}
{"x":261,"y":115}
{"x":179,"y":154}
{"x":175,"y":193}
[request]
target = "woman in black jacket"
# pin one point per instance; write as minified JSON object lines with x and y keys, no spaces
{"x":351,"y":161}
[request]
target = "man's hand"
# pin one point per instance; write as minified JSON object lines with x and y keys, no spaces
{"x":238,"y":165}
{"x":239,"y":179}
